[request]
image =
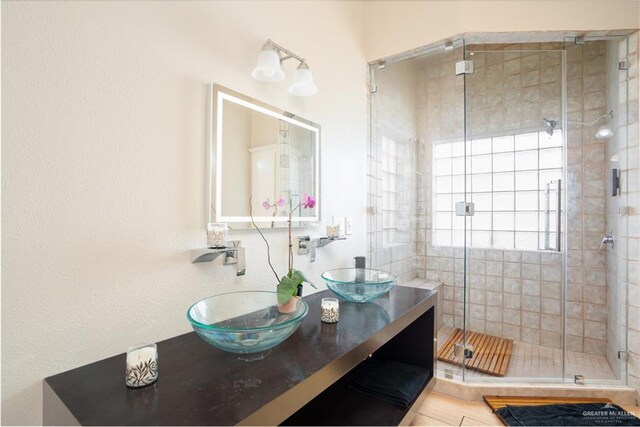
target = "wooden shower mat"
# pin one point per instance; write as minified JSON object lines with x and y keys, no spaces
{"x":491,"y":355}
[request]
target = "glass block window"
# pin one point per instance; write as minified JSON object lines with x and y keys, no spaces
{"x":506,"y":179}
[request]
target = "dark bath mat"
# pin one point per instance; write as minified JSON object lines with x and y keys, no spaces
{"x":575,"y":414}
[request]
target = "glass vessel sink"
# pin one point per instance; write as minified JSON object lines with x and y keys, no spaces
{"x":244,"y":322}
{"x":359,"y":284}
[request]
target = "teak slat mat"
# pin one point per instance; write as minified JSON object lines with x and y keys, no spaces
{"x":497,"y":402}
{"x":491,"y":354}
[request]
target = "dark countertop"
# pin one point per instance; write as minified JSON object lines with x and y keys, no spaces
{"x":201,"y":385}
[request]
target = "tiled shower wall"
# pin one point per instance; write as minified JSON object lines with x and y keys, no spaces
{"x":623,"y":212}
{"x":518,"y":294}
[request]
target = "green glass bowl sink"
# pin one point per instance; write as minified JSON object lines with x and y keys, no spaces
{"x":359,"y":284}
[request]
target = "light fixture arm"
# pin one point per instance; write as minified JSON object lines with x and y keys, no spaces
{"x":595,"y":122}
{"x":283,"y":52}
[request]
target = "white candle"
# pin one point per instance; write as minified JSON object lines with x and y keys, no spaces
{"x":329,"y":310}
{"x":142,"y":365}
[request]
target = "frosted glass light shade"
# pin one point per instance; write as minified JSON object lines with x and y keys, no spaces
{"x":268,"y":68}
{"x":604,"y":131}
{"x":303,"y":84}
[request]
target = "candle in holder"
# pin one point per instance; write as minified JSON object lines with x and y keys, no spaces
{"x":329,"y":310}
{"x":142,"y":365}
{"x":217,"y":235}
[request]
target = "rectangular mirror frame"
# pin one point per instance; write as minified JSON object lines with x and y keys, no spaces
{"x":219,"y":94}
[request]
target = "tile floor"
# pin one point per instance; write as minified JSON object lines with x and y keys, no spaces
{"x":442,"y":410}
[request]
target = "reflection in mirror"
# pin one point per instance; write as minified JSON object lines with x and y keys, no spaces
{"x":263,"y":160}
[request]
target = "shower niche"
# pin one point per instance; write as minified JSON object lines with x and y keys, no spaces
{"x":526,"y":129}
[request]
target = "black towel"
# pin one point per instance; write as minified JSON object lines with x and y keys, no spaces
{"x":395,"y":382}
{"x":576,"y":414}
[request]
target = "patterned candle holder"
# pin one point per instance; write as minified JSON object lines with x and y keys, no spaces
{"x":142,"y":365}
{"x":217,"y":235}
{"x":329,"y":310}
{"x":333,"y":231}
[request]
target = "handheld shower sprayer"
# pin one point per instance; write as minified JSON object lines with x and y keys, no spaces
{"x":549,"y":125}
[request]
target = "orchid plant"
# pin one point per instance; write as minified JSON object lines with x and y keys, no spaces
{"x":287,"y":284}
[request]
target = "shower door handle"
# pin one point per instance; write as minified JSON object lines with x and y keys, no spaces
{"x":559,"y":217}
{"x":558,"y":201}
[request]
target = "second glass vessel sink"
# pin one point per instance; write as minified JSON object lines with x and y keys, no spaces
{"x":359,"y":284}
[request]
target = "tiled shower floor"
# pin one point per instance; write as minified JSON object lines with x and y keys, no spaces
{"x":534,"y":361}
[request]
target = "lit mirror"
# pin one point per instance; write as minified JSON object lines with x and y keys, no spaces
{"x":260,"y":155}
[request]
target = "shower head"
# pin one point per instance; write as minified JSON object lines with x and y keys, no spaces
{"x":549,"y":125}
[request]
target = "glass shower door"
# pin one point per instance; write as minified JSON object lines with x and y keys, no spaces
{"x":443,"y":172}
{"x":515,"y":143}
{"x":597,"y":271}
{"x":416,"y":173}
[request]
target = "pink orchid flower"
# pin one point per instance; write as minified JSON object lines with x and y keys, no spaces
{"x":280,"y":203}
{"x":266,"y":204}
{"x":308,"y":201}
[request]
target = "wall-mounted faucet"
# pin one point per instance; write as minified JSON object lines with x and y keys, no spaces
{"x":308,"y":245}
{"x":608,"y":239}
{"x":233,"y":254}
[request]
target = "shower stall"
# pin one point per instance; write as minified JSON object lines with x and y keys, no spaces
{"x":503,"y":169}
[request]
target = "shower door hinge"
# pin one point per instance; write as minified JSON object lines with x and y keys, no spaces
{"x":464,"y":67}
{"x":465,"y":208}
{"x":622,"y":355}
{"x":463,"y":351}
{"x":623,"y":65}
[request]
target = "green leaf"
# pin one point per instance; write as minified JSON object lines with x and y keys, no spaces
{"x":286,"y":289}
{"x":298,"y":277}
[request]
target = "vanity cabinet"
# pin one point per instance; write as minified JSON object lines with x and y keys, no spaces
{"x":304,"y":381}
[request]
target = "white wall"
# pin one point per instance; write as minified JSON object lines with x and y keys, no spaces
{"x":103,"y":184}
{"x":397,"y":26}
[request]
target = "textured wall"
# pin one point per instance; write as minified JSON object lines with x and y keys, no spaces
{"x":399,"y":26}
{"x":103,"y":178}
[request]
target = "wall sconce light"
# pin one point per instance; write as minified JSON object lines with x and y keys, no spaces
{"x":605,"y":130}
{"x":269,"y":69}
